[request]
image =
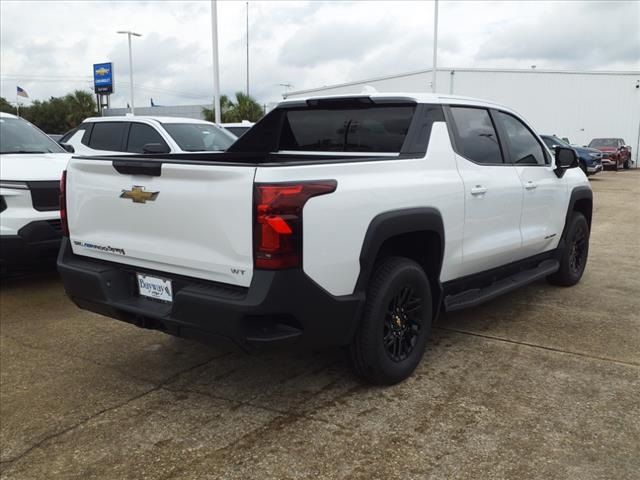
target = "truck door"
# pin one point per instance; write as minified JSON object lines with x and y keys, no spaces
{"x":544,"y":194}
{"x":493,"y":192}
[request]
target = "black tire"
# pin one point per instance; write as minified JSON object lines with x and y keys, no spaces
{"x":396,"y":321}
{"x":626,"y":165}
{"x":574,"y":256}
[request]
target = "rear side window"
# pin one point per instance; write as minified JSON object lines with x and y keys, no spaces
{"x":108,"y":136}
{"x":524,"y":149}
{"x":141,"y":134}
{"x":374,"y":129}
{"x":199,"y":137}
{"x":476,"y":136}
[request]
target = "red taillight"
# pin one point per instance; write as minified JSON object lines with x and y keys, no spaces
{"x":277,"y":227}
{"x":63,"y":204}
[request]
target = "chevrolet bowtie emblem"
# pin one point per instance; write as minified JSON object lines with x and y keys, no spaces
{"x":138,"y":195}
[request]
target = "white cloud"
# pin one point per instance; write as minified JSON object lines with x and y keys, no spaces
{"x":48,"y":47}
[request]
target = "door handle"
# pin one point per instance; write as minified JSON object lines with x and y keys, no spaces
{"x":530,"y":185}
{"x":478,"y":190}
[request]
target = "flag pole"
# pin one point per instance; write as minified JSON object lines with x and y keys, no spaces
{"x":17,"y":103}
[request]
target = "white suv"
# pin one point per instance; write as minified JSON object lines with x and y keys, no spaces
{"x":346,"y":220}
{"x":139,"y":134}
{"x":31,"y":165}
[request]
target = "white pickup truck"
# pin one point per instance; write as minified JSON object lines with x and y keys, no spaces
{"x":346,"y":220}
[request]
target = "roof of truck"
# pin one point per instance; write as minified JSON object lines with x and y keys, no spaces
{"x":129,"y":118}
{"x":430,"y":98}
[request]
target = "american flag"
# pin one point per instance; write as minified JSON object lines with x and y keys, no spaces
{"x":22,"y":92}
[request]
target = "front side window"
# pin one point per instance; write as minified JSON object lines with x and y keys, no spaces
{"x":477,"y":139}
{"x":140,"y":135}
{"x":379,"y":129}
{"x":108,"y":136}
{"x":523,"y":145}
{"x":199,"y":137}
{"x":19,"y":136}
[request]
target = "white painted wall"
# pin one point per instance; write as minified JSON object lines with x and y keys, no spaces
{"x":577,"y":105}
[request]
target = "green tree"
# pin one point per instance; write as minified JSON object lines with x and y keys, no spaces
{"x":60,"y":114}
{"x":6,"y":107}
{"x":80,"y":105}
{"x":244,"y":108}
{"x":225,"y":106}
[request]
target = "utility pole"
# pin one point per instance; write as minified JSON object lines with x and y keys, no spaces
{"x":286,"y":86}
{"x":247,"y":49}
{"x":128,"y":33}
{"x":435,"y":47}
{"x":216,"y":69}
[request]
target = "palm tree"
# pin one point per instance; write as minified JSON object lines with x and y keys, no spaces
{"x":244,"y":108}
{"x":225,"y":106}
{"x":80,"y":105}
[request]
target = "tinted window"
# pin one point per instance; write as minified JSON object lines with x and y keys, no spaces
{"x":238,"y":131}
{"x":477,"y":139}
{"x":108,"y":135}
{"x":199,"y":137}
{"x":80,"y":134}
{"x":523,"y":146}
{"x":371,"y":129}
{"x":141,"y":134}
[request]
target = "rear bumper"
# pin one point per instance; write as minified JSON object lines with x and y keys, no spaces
{"x":35,"y":243}
{"x":280,"y":308}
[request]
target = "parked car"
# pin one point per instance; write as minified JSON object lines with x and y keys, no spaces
{"x":615,"y":152}
{"x":238,"y":129}
{"x":338,"y":221}
{"x":138,"y":134}
{"x":590,"y":159}
{"x":30,"y":168}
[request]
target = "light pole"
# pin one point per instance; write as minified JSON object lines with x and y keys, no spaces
{"x":435,"y":47}
{"x":216,"y":69}
{"x":128,"y":33}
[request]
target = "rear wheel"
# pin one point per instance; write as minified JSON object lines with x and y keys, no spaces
{"x":393,"y":332}
{"x":626,"y":165}
{"x":574,"y":257}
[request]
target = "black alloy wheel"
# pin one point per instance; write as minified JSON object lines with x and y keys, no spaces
{"x":392,"y":335}
{"x":574,"y":253}
{"x":402,"y":324}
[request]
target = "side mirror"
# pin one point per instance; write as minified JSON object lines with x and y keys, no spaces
{"x":155,"y":148}
{"x":68,"y":147}
{"x":566,"y":158}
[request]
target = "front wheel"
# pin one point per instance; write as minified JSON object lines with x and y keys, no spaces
{"x":393,"y":332}
{"x":574,"y":257}
{"x":626,"y":165}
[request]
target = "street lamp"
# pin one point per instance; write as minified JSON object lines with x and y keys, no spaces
{"x":129,"y":33}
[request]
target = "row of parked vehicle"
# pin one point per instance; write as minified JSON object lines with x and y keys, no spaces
{"x":600,"y":154}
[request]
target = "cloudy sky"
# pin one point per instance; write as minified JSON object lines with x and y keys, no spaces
{"x":48,"y":48}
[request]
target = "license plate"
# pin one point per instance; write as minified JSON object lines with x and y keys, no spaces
{"x":154,"y":287}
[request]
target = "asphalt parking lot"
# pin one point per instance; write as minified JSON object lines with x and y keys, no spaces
{"x":543,"y":383}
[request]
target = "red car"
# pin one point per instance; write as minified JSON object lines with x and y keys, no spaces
{"x":615,"y":152}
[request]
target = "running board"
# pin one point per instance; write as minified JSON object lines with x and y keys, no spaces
{"x":476,"y":296}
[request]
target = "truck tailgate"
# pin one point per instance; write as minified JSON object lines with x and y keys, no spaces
{"x":192,"y":220}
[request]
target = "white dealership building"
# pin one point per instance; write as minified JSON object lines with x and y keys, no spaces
{"x":572,"y":104}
